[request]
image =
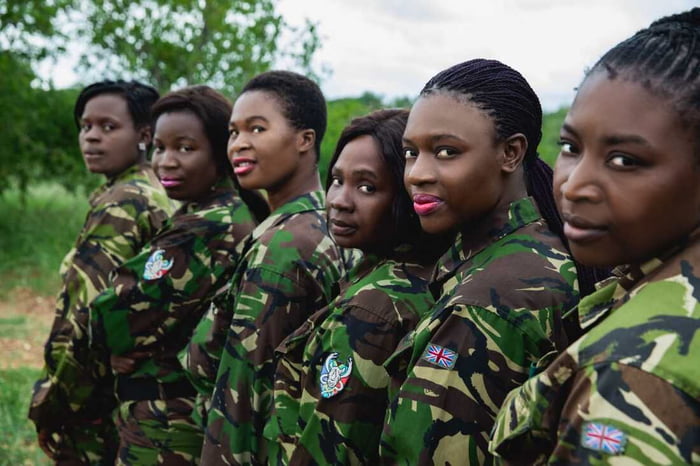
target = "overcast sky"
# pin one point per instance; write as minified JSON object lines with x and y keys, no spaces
{"x":392,"y":47}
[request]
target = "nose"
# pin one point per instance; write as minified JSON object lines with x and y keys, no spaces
{"x":578,"y":178}
{"x":166,"y":159}
{"x":419,"y":171}
{"x":236,"y":143}
{"x":92,"y":133}
{"x":339,"y":198}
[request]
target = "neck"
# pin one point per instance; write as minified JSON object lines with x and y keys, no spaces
{"x":302,"y":182}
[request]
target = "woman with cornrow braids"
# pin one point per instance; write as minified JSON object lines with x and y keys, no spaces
{"x":502,"y":288}
{"x":627,"y":183}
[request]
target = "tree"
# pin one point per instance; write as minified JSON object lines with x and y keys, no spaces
{"x":28,"y":27}
{"x":172,"y":43}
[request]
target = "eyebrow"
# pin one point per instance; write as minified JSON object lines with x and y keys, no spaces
{"x":613,"y":139}
{"x":358,"y":172}
{"x":437,"y":137}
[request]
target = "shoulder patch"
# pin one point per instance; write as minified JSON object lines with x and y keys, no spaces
{"x":156,"y":266}
{"x":602,"y":437}
{"x":334,"y":377}
{"x":440,"y":356}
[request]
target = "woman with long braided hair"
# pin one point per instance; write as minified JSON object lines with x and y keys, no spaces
{"x":505,"y":284}
{"x":627,"y":183}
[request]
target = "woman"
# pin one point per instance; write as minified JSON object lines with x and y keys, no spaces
{"x":156,"y":298}
{"x":470,"y":144}
{"x":627,"y":182}
{"x":320,"y":418}
{"x":72,"y":402}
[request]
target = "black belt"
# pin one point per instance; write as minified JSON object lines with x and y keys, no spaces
{"x":139,"y":389}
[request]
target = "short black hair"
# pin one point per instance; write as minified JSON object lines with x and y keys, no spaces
{"x":386,"y":127}
{"x":302,"y":101}
{"x":211,"y":108}
{"x":665,"y":59}
{"x":139,"y":98}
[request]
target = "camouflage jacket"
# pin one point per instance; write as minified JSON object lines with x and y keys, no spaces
{"x":290,"y":269}
{"x":628,"y":391}
{"x":501,"y":297}
{"x":124,"y":214}
{"x":330,"y":384}
{"x":157,"y":297}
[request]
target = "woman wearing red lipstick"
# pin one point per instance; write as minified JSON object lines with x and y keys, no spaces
{"x":156,"y":298}
{"x":73,"y":400}
{"x":627,"y":182}
{"x":319,"y":419}
{"x":502,"y":287}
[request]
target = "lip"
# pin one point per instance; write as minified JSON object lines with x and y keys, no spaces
{"x":341,"y":228}
{"x":580,"y":230}
{"x":92,"y":153}
{"x":242,"y":165}
{"x":170,"y":182}
{"x":426,"y":204}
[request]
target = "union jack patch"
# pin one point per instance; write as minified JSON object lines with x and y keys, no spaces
{"x":602,"y":437}
{"x":440,"y":356}
{"x":156,"y":266}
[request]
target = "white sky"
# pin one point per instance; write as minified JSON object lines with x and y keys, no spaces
{"x":392,"y":47}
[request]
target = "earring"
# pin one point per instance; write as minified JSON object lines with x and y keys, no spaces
{"x":142,"y":146}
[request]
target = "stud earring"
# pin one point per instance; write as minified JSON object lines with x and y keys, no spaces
{"x":142,"y":146}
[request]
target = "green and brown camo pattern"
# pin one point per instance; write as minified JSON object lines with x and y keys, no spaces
{"x":383,"y":300}
{"x":124,"y":214}
{"x":637,"y":371}
{"x":501,"y":297}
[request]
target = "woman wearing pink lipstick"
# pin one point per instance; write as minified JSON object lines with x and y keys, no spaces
{"x":503,"y":286}
{"x":72,"y":402}
{"x":627,"y":182}
{"x":156,"y":298}
{"x":382,"y":300}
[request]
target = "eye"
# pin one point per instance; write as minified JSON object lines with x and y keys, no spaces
{"x":445,"y":153}
{"x":367,"y":188}
{"x":186,"y":148}
{"x":409,"y":153}
{"x":257,"y":129}
{"x":158,"y":148}
{"x":623,"y":161}
{"x":107,"y":127}
{"x":233,"y":133}
{"x":567,"y":147}
{"x":335,"y":181}
{"x":85,"y":127}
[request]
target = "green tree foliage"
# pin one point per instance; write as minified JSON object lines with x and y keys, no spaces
{"x":172,"y":43}
{"x":551,"y":124}
{"x":28,"y":27}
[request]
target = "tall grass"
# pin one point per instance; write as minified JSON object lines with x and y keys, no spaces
{"x":35,"y":237}
{"x":17,"y":435}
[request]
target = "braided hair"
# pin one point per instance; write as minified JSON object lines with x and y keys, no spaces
{"x":505,"y":96}
{"x":665,"y":59}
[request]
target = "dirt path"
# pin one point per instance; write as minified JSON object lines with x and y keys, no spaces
{"x":25,"y":320}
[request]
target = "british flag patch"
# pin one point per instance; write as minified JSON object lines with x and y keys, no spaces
{"x":605,"y":438}
{"x":440,"y":356}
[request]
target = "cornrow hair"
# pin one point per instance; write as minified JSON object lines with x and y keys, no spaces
{"x":665,"y":59}
{"x":505,"y":96}
{"x":302,"y":101}
{"x":214,"y":111}
{"x":139,"y":98}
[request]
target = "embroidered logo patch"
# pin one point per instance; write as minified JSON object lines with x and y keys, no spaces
{"x":601,"y":437}
{"x":156,"y":266}
{"x":441,"y":357}
{"x":334,"y":376}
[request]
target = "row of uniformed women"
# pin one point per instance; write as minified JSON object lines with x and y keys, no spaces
{"x":311,"y":353}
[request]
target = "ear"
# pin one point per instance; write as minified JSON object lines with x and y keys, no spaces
{"x":514,"y":149}
{"x":145,"y":135}
{"x":306,"y":138}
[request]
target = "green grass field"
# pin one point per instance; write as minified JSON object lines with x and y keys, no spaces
{"x":34,"y":237}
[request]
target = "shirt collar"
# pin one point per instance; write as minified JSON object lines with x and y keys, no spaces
{"x":311,"y":201}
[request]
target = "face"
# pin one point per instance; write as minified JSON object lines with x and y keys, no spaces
{"x":108,"y":139}
{"x":263,"y":145}
{"x":182,"y":156}
{"x":626,"y":181}
{"x":360,"y":197}
{"x":453,"y":171}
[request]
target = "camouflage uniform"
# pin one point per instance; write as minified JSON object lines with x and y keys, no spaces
{"x":290,"y":269}
{"x":628,"y":391}
{"x":322,"y":419}
{"x":75,"y":395}
{"x":501,"y":296}
{"x":155,"y":301}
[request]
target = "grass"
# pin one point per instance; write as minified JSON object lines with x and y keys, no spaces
{"x":17,"y":435}
{"x":35,"y":237}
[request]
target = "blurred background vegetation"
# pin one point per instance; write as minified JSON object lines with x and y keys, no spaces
{"x":43,"y":182}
